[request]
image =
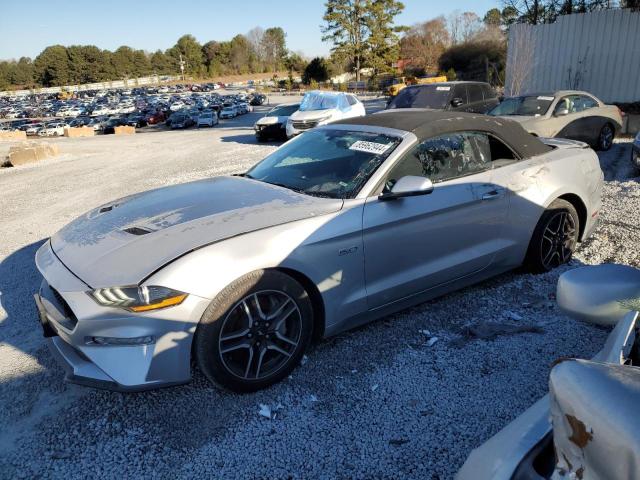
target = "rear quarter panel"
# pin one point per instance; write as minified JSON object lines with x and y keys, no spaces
{"x":533,"y":184}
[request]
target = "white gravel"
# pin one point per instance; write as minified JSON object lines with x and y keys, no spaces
{"x":384,"y":401}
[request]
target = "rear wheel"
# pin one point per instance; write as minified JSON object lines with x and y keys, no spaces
{"x":554,"y":239}
{"x":605,"y":139}
{"x":255,"y":331}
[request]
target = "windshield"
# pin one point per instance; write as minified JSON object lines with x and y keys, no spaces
{"x":531,"y":105}
{"x":326,"y":162}
{"x":425,"y":96}
{"x":318,"y":101}
{"x":284,"y":111}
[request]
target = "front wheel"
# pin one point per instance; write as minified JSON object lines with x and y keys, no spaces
{"x":255,"y":331}
{"x":605,"y":139}
{"x":554,"y":239}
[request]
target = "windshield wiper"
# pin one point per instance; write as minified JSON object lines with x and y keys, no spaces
{"x":288,"y":187}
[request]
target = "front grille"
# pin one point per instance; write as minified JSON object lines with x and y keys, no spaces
{"x":304,"y":125}
{"x":70,"y":320}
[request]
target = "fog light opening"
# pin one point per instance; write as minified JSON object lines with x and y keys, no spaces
{"x":146,"y":340}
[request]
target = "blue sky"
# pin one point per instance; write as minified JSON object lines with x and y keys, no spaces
{"x":27,"y":27}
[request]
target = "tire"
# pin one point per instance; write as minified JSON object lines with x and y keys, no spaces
{"x":554,"y":239}
{"x":261,"y":138}
{"x":605,"y":137}
{"x":243,"y":355}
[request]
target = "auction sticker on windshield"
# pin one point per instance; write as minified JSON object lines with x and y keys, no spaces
{"x":369,"y":147}
{"x":443,"y":89}
{"x":542,"y":97}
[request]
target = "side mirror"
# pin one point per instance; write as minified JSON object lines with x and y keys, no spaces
{"x":456,"y":102}
{"x":409,"y":186}
{"x":561,"y":113}
{"x":600,"y":294}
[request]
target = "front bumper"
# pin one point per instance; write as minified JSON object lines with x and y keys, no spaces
{"x":272,"y":130}
{"x":71,"y":319}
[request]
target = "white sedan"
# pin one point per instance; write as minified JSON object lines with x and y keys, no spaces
{"x":55,"y":129}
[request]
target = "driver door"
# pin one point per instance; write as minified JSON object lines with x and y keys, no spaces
{"x":415,"y":243}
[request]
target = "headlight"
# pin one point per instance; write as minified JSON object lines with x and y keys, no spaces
{"x":137,"y":299}
{"x":324,"y":119}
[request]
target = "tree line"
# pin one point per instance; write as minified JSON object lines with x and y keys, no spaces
{"x":363,"y":35}
{"x":258,"y":51}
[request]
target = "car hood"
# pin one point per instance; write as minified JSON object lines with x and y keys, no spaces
{"x":271,"y":120}
{"x":313,"y":114}
{"x":122,"y":242}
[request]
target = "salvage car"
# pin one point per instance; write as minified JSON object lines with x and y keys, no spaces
{"x":569,"y":114}
{"x":53,"y":129}
{"x":587,"y":427}
{"x":207,"y":119}
{"x":229,"y":112}
{"x":635,"y":152}
{"x":274,"y":123}
{"x":240,"y":273}
{"x":320,"y":108}
{"x":475,"y":97}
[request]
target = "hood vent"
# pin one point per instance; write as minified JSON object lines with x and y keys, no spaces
{"x":137,"y":230}
{"x":108,"y":208}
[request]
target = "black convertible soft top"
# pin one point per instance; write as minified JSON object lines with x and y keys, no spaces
{"x":425,"y":124}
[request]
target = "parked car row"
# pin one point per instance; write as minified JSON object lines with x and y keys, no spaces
{"x":316,"y":108}
{"x":138,"y":108}
{"x":571,"y":114}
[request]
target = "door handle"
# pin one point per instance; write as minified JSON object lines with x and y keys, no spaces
{"x":493,"y":194}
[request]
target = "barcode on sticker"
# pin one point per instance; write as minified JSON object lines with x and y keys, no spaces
{"x":369,"y":147}
{"x":445,"y":89}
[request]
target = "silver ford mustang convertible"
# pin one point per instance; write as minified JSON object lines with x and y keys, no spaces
{"x":347,"y":223}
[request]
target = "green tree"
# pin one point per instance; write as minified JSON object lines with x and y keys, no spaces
{"x":89,"y":64}
{"x":22,"y":72}
{"x":240,"y":54}
{"x":274,"y":47}
{"x":493,"y":18}
{"x":162,"y":63}
{"x":123,"y":61}
{"x":317,"y":70}
{"x":357,"y":28}
{"x":52,"y":67}
{"x":383,"y":42}
{"x":5,"y":70}
{"x":191,"y":51}
{"x":294,"y":63}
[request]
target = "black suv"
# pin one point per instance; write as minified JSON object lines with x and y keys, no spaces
{"x":476,"y":97}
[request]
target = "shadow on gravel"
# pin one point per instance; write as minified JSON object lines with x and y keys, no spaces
{"x":19,"y":280}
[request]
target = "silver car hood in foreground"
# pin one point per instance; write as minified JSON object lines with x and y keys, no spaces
{"x":124,"y":241}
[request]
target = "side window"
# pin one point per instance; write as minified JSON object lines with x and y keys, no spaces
{"x":445,"y":157}
{"x":488,"y":92}
{"x":475,"y":93}
{"x":351,"y":99}
{"x":460,"y":91}
{"x":563,"y":104}
{"x":501,"y":154}
{"x":584,"y":103}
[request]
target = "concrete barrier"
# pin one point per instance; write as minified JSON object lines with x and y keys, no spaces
{"x":124,"y":130}
{"x":31,"y":153}
{"x":79,"y":132}
{"x":13,"y":135}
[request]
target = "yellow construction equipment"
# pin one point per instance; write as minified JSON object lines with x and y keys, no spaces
{"x":401,"y":82}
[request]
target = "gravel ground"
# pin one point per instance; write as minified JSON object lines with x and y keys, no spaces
{"x":405,"y":397}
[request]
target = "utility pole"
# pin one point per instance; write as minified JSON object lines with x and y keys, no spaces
{"x":182,"y":63}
